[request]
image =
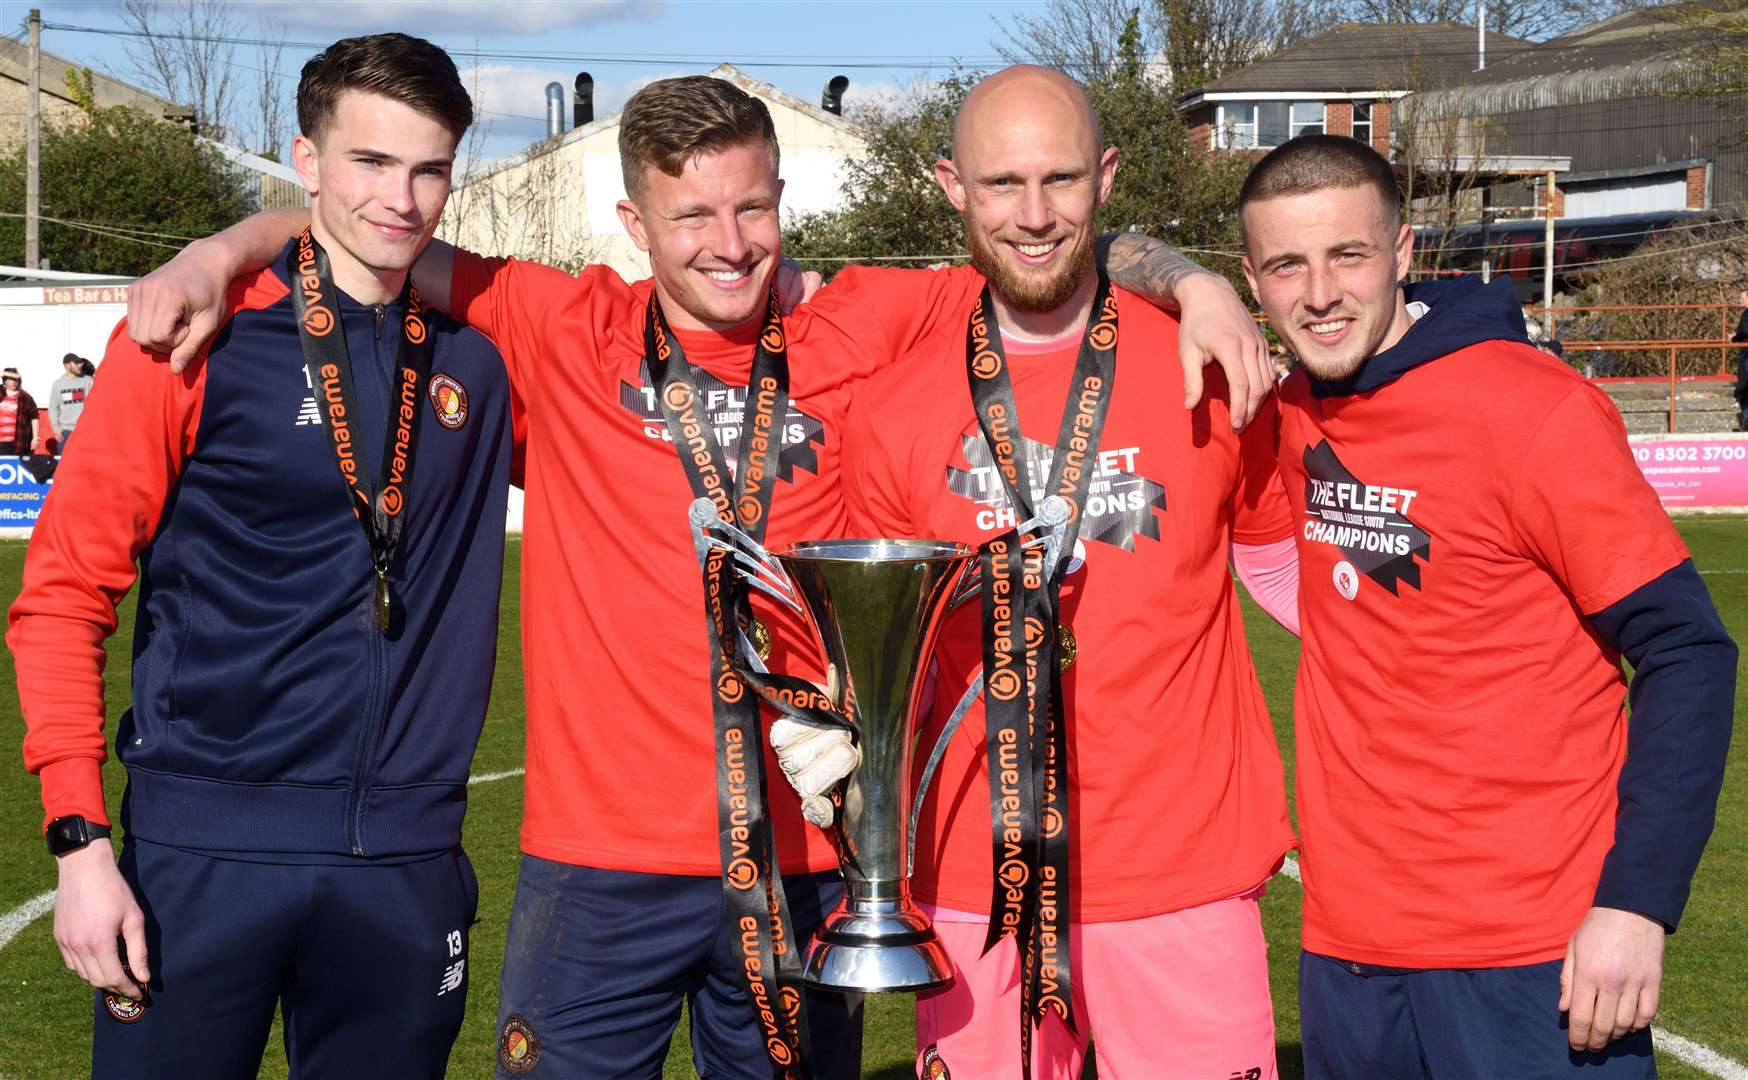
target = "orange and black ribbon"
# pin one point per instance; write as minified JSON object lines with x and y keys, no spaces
{"x":1026,"y":736}
{"x":760,"y":928}
{"x":380,"y":502}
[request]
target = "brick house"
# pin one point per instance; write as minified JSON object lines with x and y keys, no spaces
{"x":1345,"y":82}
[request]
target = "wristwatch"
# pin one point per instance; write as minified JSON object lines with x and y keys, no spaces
{"x":70,"y":833}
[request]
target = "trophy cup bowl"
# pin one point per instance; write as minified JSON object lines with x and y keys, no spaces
{"x":877,"y":606}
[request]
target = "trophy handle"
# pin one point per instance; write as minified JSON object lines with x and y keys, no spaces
{"x":928,"y":777}
{"x":1051,"y":527}
{"x":752,"y":561}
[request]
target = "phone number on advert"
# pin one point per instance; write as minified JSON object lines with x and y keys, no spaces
{"x":1735,"y":452}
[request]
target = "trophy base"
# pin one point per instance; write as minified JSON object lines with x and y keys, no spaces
{"x":874,"y":946}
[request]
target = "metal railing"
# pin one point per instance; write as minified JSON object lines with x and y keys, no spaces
{"x":1551,"y":318}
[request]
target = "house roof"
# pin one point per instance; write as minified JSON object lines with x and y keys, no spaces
{"x":1362,"y":57}
{"x":1635,"y":52}
{"x":15,"y":65}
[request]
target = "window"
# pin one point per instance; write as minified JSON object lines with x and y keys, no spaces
{"x":1362,"y":121}
{"x":1307,"y":118}
{"x":1235,"y":127}
{"x":1265,"y":124}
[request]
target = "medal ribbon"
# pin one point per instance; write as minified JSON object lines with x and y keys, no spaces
{"x":752,"y":886}
{"x":379,"y":503}
{"x":1026,"y":735}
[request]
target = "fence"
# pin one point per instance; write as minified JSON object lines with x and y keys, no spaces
{"x":1604,"y":330}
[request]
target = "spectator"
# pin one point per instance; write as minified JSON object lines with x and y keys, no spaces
{"x":17,"y":415}
{"x":1741,"y":335}
{"x":67,"y":396}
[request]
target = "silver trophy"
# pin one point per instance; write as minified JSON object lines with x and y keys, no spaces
{"x":877,"y":606}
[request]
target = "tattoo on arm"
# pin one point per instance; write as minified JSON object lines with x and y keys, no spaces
{"x":1146,"y":267}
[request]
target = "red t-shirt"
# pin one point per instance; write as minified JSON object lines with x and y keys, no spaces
{"x":1177,"y":794}
{"x":621,"y":772}
{"x":1460,"y":728}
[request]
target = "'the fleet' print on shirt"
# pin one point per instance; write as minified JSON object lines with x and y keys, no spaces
{"x":1368,"y":522}
{"x":1119,"y":502}
{"x":802,"y":435}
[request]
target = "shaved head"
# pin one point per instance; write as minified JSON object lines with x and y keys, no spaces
{"x":1028,"y":173}
{"x":1037,"y":97}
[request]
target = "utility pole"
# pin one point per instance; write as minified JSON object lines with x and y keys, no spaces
{"x":33,"y":149}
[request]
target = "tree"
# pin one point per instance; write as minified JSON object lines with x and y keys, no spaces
{"x":892,"y":207}
{"x":269,"y":113}
{"x":1183,"y":42}
{"x":182,"y":54}
{"x":138,"y":187}
{"x":893,"y":211}
{"x":1537,"y":19}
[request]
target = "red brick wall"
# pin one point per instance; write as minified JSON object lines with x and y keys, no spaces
{"x":1381,"y":127}
{"x":1201,"y":125}
{"x":1338,"y":117}
{"x":1696,"y":188}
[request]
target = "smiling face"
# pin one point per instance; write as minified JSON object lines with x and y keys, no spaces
{"x":712,"y":234}
{"x":1028,"y":175}
{"x":378,"y":176}
{"x":1327,"y":268}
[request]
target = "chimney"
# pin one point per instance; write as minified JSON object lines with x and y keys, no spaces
{"x":832,"y":101}
{"x":583,"y":103}
{"x":554,"y":110}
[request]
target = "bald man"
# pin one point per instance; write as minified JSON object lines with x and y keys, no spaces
{"x":1162,"y":808}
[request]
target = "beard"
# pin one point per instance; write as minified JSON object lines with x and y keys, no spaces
{"x":1034,"y":293}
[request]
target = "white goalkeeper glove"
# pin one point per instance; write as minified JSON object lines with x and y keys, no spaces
{"x":814,"y":759}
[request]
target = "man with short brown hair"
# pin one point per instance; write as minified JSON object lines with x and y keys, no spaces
{"x":1493,"y":855}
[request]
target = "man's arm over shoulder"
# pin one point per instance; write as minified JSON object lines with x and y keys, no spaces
{"x":867,"y":318}
{"x":519,"y":304}
{"x":1216,"y":327}
{"x":178,"y":307}
{"x":104,"y":508}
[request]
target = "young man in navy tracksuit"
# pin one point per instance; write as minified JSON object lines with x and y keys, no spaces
{"x":317,"y":514}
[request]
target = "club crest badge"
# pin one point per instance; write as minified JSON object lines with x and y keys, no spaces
{"x":448,"y":401}
{"x":125,"y":1010}
{"x":1347,"y":580}
{"x":518,"y":1046}
{"x":933,"y":1066}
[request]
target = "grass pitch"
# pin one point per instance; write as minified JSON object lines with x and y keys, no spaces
{"x":45,"y":1013}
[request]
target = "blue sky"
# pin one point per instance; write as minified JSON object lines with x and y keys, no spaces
{"x":882,"y":47}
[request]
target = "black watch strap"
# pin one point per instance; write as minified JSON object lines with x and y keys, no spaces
{"x":70,"y":833}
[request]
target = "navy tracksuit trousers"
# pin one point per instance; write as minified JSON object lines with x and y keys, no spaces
{"x":368,"y":959}
{"x":1360,"y":1021}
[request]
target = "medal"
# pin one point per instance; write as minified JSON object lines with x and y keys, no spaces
{"x":761,"y":635}
{"x":380,"y":499}
{"x":384,"y":607}
{"x":1066,"y":647}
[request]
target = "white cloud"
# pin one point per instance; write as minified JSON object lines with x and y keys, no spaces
{"x":438,"y":18}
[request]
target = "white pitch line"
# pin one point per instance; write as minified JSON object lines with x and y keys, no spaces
{"x":24,"y":914}
{"x":14,"y":921}
{"x":1699,"y":1055}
